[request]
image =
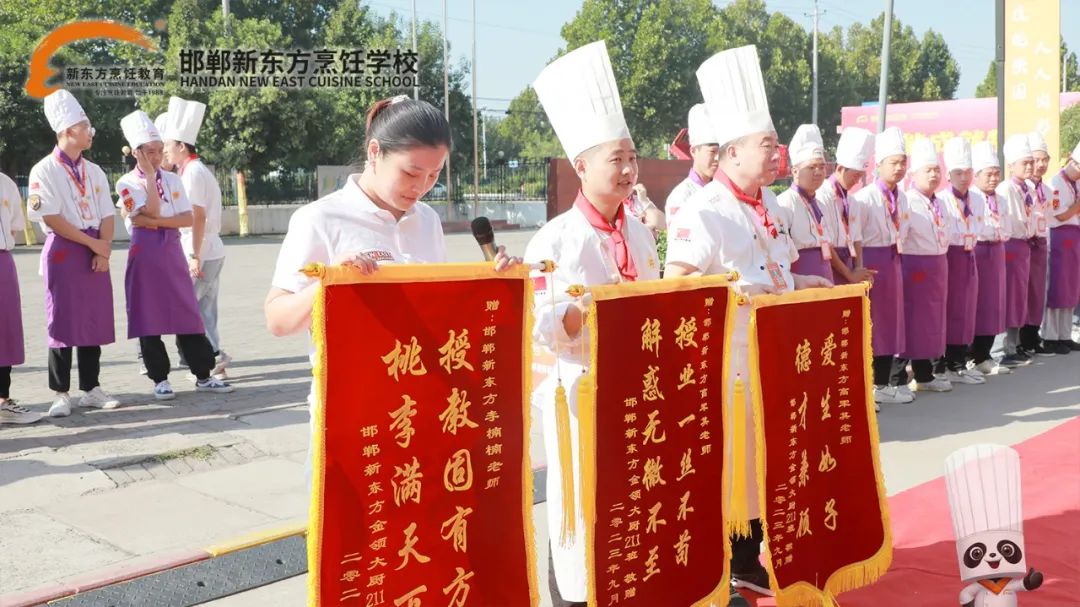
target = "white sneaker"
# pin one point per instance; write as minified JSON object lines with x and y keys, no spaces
{"x":98,"y":399}
{"x":213,"y":384}
{"x":163,"y":391}
{"x":13,"y":413}
{"x":223,"y":360}
{"x":61,"y":407}
{"x":964,"y":377}
{"x":974,"y":371}
{"x":890,"y":395}
{"x":938,"y":385}
{"x":905,"y":391}
{"x":989,"y":367}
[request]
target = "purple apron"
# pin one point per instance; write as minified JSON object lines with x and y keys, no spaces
{"x":926,"y":284}
{"x":963,"y":297}
{"x":11,"y":330}
{"x":812,"y":263}
{"x":1064,"y":292}
{"x":886,"y":300}
{"x":78,"y":301}
{"x":160,"y":294}
{"x":1040,"y":258}
{"x":1017,"y":270}
{"x":990,"y":308}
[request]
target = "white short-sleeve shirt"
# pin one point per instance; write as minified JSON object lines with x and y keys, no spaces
{"x":871,"y":222}
{"x":1018,"y":219}
{"x":922,"y":230}
{"x":347,"y":221}
{"x":993,"y":229}
{"x":203,"y":190}
{"x":679,"y":196}
{"x":964,"y":230}
{"x":11,"y":213}
{"x":132,"y":186}
{"x":799,"y":217}
{"x":1064,"y":196}
{"x":837,"y":229}
{"x":53,"y":191}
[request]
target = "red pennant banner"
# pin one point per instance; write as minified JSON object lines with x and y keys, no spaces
{"x":422,"y":488}
{"x":823,"y":499}
{"x":653,"y":444}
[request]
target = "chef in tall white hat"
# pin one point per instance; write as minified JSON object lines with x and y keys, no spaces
{"x":594,"y":242}
{"x":202,"y":242}
{"x":1030,"y":340}
{"x":160,"y":300}
{"x":69,"y":197}
{"x":989,"y":260}
{"x":924,"y":242}
{"x":875,"y":227}
{"x":1064,"y":283}
{"x":853,"y":152}
{"x":705,"y":152}
{"x":1020,"y":219}
{"x":965,"y":209}
{"x":800,"y":209}
{"x":986,"y":503}
{"x":733,"y":224}
{"x":159,"y":123}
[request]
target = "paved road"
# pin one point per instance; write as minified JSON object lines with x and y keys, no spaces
{"x":108,"y":490}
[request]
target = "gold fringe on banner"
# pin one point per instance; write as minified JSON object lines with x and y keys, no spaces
{"x":566,"y":465}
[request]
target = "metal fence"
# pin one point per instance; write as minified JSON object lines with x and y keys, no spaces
{"x":510,"y":181}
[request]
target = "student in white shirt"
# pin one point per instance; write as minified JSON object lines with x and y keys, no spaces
{"x":924,"y":242}
{"x":852,"y":153}
{"x":733,"y":224}
{"x":1019,"y":218}
{"x":1030,"y":340}
{"x":705,"y":154}
{"x":592,"y":243}
{"x":875,"y":224}
{"x":1064,"y":291}
{"x":202,"y":242}
{"x":989,"y":261}
{"x":966,"y":211}
{"x":160,"y":299}
{"x":808,"y":224}
{"x":12,"y":348}
{"x":69,"y":197}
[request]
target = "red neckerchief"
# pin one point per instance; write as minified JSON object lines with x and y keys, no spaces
{"x":965,"y":197}
{"x":697,"y":178}
{"x":1072,"y":185}
{"x":617,"y":243}
{"x":754,"y":201}
{"x":1020,"y":183}
{"x":157,"y":179}
{"x":892,"y":195}
{"x":184,"y":166}
{"x":76,"y":169}
{"x":841,"y":193}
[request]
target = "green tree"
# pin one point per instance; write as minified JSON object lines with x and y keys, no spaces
{"x":988,"y":87}
{"x":1070,"y":130}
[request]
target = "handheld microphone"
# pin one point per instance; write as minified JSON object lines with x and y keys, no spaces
{"x":485,"y":237}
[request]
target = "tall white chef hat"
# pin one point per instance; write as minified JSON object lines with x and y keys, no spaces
{"x":923,"y":154}
{"x":853,"y":149}
{"x":139,"y":129}
{"x":983,"y":484}
{"x":806,"y":145}
{"x":1037,"y":143}
{"x":957,"y":154}
{"x":63,"y":110}
{"x":161,"y":121}
{"x":581,"y":99}
{"x":734,"y":93}
{"x":185,"y":120}
{"x":1017,"y":148}
{"x":889,"y":142}
{"x":701,"y":129}
{"x":984,"y":156}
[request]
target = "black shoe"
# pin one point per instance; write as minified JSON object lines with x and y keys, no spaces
{"x":1011,"y":361}
{"x":1072,"y":345}
{"x":1023,"y":355}
{"x":1042,"y":350}
{"x":1059,"y":347}
{"x":756,"y":580}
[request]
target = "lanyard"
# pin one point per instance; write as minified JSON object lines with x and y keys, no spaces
{"x":75,"y":170}
{"x":963,"y":207}
{"x":811,"y":211}
{"x":157,"y":182}
{"x":894,"y":205}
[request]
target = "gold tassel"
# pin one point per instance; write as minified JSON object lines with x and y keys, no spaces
{"x":738,"y":514}
{"x":566,"y":465}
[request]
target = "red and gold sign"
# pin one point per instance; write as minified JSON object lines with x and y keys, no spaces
{"x":653,"y":444}
{"x":422,"y":488}
{"x":822,"y":496}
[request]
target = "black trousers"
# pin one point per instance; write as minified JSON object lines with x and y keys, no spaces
{"x":553,"y":586}
{"x":746,"y":551}
{"x":981,"y":347}
{"x":195,"y":348}
{"x":89,"y":359}
{"x":5,"y":382}
{"x":882,"y":370}
{"x":923,"y":368}
{"x":1029,"y":337}
{"x":955,"y":359}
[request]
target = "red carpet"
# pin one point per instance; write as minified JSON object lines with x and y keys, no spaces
{"x":924,"y":571}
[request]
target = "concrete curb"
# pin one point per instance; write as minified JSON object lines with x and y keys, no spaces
{"x":147,"y":566}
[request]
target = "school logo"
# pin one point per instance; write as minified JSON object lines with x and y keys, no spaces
{"x":35,"y":202}
{"x":40,"y":71}
{"x":682,"y":234}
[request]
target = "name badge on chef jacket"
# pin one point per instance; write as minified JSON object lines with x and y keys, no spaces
{"x":826,"y":249}
{"x":943,"y":239}
{"x":84,"y":210}
{"x":1040,"y":225}
{"x":969,"y":242}
{"x":776,"y":276}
